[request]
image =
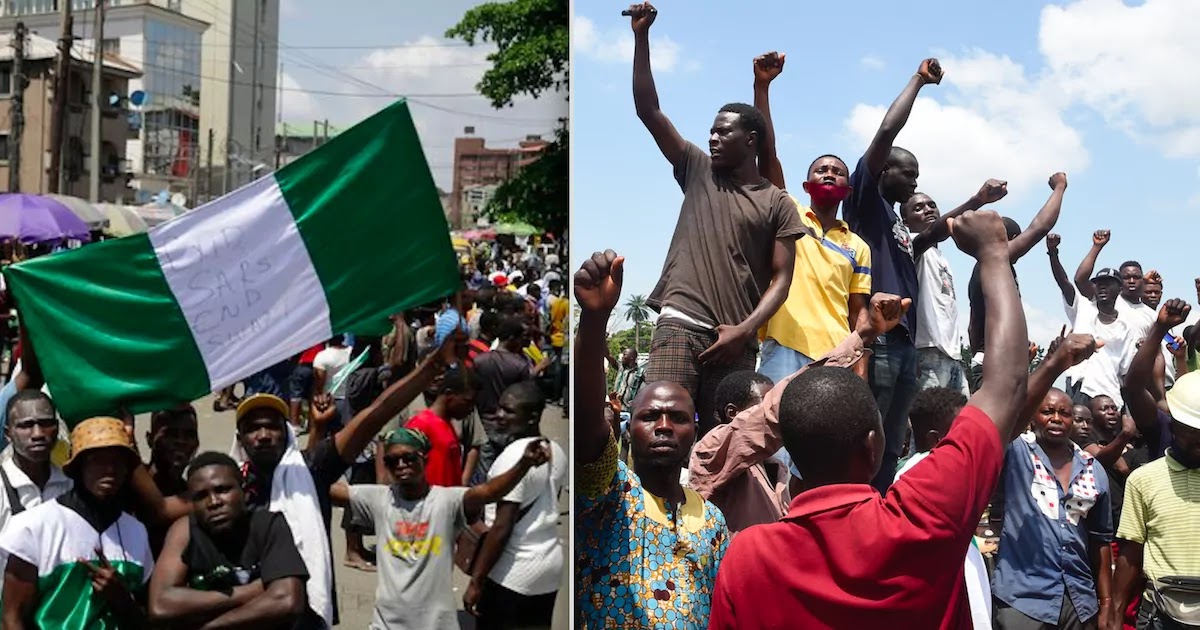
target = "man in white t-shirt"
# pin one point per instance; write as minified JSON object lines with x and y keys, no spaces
{"x":1133,"y":284}
{"x":326,"y":367}
{"x":937,"y":306}
{"x":1104,"y":372}
{"x":516,"y":575}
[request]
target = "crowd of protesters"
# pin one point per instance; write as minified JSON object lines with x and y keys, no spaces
{"x":809,"y":449}
{"x":93,"y":536}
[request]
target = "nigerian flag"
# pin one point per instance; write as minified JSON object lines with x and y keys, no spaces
{"x":334,"y":242}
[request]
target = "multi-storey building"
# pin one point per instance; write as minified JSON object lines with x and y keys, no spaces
{"x":477,"y":166}
{"x":37,"y":134}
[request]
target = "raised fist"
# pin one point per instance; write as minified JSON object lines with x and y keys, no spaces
{"x":930,"y":71}
{"x":768,"y":66}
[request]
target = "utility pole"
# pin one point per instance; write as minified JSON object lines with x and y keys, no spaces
{"x":280,"y":142}
{"x":316,"y":134}
{"x":208,"y":171}
{"x":62,"y":83}
{"x":255,"y":88}
{"x":325,"y":135}
{"x":18,"y":110}
{"x":97,"y":102}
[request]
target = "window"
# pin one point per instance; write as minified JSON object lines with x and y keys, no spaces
{"x":111,"y":46}
{"x":6,"y":79}
{"x":3,"y":147}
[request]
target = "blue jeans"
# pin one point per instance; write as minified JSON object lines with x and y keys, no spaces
{"x":938,"y":370}
{"x":779,"y":362}
{"x":893,"y":378}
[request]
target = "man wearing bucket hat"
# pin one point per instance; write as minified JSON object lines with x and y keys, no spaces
{"x":1102,"y":373}
{"x":279,"y":477}
{"x":81,"y":561}
{"x":1157,"y":538}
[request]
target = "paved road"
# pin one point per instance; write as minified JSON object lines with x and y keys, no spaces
{"x":356,"y":589}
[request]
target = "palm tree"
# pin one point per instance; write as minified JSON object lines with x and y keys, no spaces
{"x":637,"y":312}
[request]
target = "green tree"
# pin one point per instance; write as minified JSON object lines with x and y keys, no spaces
{"x":637,"y":312}
{"x":532,"y":53}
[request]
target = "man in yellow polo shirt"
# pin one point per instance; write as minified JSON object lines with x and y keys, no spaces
{"x":831,"y":283}
{"x":1157,"y":533}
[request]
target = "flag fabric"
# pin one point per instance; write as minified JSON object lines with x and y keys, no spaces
{"x":336,"y":241}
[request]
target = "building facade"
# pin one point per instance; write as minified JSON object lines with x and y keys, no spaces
{"x":477,"y":167}
{"x":210,"y":76}
{"x":239,"y":67}
{"x":165,"y":46}
{"x":37,"y":134}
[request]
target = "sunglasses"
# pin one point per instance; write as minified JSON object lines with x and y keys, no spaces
{"x":392,"y":461}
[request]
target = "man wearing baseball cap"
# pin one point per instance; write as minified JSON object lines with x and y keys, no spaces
{"x":281,"y":478}
{"x":80,"y":561}
{"x":1162,"y":506}
{"x":1100,"y":375}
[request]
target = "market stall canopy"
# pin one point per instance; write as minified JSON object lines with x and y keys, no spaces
{"x":122,"y":220}
{"x":159,"y":212}
{"x":38,"y":219}
{"x":83,"y":209}
{"x":516,"y":229}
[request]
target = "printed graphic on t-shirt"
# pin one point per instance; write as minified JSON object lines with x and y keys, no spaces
{"x":410,"y":540}
{"x":903,"y":237}
{"x":947,"y":280}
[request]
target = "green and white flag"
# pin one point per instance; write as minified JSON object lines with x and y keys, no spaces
{"x":334,"y":242}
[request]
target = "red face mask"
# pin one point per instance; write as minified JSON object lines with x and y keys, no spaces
{"x":826,"y":194}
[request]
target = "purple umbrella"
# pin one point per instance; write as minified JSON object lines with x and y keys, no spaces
{"x":37,"y":219}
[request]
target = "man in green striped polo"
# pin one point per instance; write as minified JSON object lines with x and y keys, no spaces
{"x":1162,"y":508}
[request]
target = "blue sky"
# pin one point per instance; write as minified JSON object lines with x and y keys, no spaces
{"x":1090,"y":88}
{"x":398,"y":48}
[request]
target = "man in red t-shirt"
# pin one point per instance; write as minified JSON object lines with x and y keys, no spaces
{"x":455,"y":401}
{"x":856,"y":559}
{"x":300,"y":384}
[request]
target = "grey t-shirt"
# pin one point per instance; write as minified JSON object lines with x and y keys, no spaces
{"x":416,"y":560}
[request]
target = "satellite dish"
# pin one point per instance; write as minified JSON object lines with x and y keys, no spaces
{"x":179,"y":199}
{"x":138,"y":98}
{"x":114,"y":99}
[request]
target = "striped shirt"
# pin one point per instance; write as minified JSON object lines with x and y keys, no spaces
{"x":1162,"y":507}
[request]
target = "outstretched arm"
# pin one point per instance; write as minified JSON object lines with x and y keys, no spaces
{"x":494,"y":489}
{"x":1140,"y":377}
{"x":1083,"y":275}
{"x":981,"y":234}
{"x":1063,"y":353}
{"x":645,"y":95}
{"x":597,"y":289}
{"x":766,"y":68}
{"x":993,"y":190}
{"x":1056,"y":268}
{"x":367,"y":423}
{"x":897,"y":115}
{"x":1042,"y":222}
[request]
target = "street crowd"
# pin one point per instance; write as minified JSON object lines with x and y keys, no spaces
{"x":807,"y":446}
{"x":429,"y":437}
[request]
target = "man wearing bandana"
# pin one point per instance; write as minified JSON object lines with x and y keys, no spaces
{"x":417,"y":524}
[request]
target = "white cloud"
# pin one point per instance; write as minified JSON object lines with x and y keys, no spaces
{"x":1133,"y":64}
{"x":616,"y":46}
{"x":986,"y":119}
{"x":427,"y":67}
{"x":296,"y":105}
{"x":871,"y":62}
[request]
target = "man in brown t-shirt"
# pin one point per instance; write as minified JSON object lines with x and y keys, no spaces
{"x":730,"y":262}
